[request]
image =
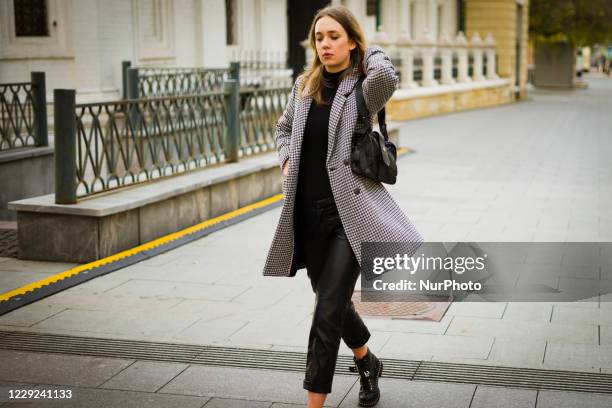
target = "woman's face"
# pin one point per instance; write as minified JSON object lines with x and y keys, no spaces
{"x":333,"y":45}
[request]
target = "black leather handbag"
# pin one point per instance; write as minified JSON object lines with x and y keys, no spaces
{"x":373,"y":155}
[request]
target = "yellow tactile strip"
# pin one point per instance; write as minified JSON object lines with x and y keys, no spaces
{"x":140,"y":248}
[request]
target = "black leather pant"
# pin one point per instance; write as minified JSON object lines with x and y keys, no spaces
{"x":333,"y":271}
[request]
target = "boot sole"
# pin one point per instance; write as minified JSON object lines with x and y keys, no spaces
{"x":371,"y":404}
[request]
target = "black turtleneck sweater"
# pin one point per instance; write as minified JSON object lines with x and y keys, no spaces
{"x":313,"y":180}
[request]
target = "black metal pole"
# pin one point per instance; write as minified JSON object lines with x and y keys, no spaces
{"x":232,"y":139}
{"x":65,"y":146}
{"x":39,"y":100}
{"x":125,"y":65}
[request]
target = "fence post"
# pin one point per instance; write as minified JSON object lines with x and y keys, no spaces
{"x":65,"y":146}
{"x":125,"y":65}
{"x":132,"y":93}
{"x":235,"y":71}
{"x":39,"y":101}
{"x":232,"y":138}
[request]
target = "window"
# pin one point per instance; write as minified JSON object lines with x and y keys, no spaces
{"x":31,"y":19}
{"x":230,"y":22}
{"x":371,"y":7}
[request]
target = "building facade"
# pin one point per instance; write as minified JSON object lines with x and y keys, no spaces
{"x":81,"y":45}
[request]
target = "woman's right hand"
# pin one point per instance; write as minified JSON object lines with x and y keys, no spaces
{"x":286,"y":168}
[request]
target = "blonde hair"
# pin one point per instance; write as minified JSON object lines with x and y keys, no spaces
{"x":313,"y":76}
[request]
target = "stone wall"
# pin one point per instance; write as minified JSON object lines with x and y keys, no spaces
{"x":418,"y":106}
{"x":80,"y":238}
{"x":24,"y":173}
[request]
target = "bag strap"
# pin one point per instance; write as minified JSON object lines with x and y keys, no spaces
{"x":362,"y":110}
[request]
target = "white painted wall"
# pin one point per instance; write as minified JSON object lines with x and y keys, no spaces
{"x":395,"y":15}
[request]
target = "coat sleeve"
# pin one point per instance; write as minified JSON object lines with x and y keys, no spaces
{"x":284,"y":126}
{"x":380,"y":81}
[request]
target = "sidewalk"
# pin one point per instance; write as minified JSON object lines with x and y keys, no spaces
{"x":98,"y":382}
{"x":532,"y":171}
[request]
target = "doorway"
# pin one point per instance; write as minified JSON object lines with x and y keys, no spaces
{"x":299,"y":16}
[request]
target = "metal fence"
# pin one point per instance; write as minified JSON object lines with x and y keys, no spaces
{"x":23,"y":113}
{"x":259,"y":112}
{"x":103,"y":146}
{"x":256,"y":69}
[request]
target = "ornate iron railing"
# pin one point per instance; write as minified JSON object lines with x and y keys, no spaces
{"x":23,"y":115}
{"x":158,"y":82}
{"x":126,"y":142}
{"x":263,"y":69}
{"x":256,"y":69}
{"x":259,"y":112}
{"x":16,"y":116}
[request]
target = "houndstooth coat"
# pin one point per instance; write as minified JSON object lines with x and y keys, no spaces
{"x":367,"y":211}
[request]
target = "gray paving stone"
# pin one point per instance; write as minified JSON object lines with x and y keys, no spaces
{"x":408,"y":326}
{"x":573,"y":315}
{"x":236,"y":403}
{"x":105,"y":302}
{"x":528,"y":311}
{"x":511,"y":353}
{"x":486,"y":397}
{"x":167,"y":289}
{"x":492,"y":310}
{"x":415,"y":344}
{"x":211,"y":331}
{"x":416,"y":394}
{"x":98,"y":398}
{"x":6,"y":386}
{"x":30,"y":314}
{"x":184,"y":269}
{"x":147,"y":376}
{"x":561,"y":399}
{"x":605,"y":335}
{"x":578,"y":356}
{"x":58,"y":368}
{"x":140,"y":323}
{"x":250,"y":384}
{"x":475,"y":326}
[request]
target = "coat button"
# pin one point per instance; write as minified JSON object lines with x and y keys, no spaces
{"x":347,"y":161}
{"x":357,"y":191}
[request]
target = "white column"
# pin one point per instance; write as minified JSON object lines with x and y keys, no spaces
{"x":477,"y":53}
{"x":428,"y":52}
{"x":381,"y":38}
{"x":420,"y":19}
{"x":446,"y":51}
{"x":404,"y":17}
{"x":462,"y":56}
{"x":490,"y":50}
{"x":406,"y":49}
{"x":432,"y":18}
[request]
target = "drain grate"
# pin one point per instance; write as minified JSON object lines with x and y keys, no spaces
{"x":295,"y":361}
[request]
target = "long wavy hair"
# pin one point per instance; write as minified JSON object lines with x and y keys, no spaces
{"x":313,"y":76}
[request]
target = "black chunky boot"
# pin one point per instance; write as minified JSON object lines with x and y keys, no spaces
{"x":369,"y":368}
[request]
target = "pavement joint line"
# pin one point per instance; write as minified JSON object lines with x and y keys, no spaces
{"x":37,"y":290}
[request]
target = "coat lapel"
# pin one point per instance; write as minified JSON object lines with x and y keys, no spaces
{"x":302,"y":109}
{"x":344,"y":90}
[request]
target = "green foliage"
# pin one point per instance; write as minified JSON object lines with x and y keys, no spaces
{"x":579,"y":22}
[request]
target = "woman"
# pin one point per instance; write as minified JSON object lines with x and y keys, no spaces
{"x":328,"y":211}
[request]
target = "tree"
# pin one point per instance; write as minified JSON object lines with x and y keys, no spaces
{"x":577,"y":22}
